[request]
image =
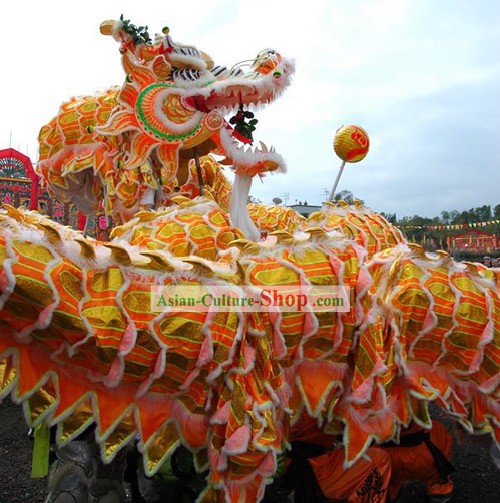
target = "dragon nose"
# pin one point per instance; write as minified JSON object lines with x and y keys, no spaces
{"x":267,"y":61}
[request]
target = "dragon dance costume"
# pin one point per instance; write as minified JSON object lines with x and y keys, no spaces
{"x":81,"y":345}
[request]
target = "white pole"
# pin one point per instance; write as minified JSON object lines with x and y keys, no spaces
{"x":334,"y":188}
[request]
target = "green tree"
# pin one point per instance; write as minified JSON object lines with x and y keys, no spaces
{"x":445,"y":217}
{"x":390,"y":217}
{"x":347,"y":196}
{"x":496,"y":212}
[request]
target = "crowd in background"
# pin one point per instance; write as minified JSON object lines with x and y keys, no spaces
{"x":491,"y":262}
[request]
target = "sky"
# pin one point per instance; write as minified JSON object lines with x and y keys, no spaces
{"x":422,"y":77}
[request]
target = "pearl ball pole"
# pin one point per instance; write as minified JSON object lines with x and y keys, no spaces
{"x":334,"y":188}
{"x":351,"y":144}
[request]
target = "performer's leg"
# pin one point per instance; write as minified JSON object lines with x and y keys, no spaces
{"x":366,"y":481}
{"x":79,"y":476}
{"x":417,"y":463}
{"x":436,"y":486}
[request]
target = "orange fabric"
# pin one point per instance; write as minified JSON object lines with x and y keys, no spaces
{"x":417,"y":463}
{"x":366,"y":480}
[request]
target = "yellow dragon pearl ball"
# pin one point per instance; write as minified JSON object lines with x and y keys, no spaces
{"x":351,"y":143}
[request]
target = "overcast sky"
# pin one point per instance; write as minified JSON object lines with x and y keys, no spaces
{"x":422,"y":77}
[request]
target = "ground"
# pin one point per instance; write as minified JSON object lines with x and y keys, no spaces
{"x":476,"y":478}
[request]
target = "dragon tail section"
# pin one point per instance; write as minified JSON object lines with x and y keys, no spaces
{"x":434,"y":327}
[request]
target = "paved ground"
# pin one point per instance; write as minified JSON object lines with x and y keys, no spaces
{"x":476,"y":479}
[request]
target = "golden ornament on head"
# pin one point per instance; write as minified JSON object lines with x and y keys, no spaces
{"x":351,"y":143}
{"x":106,"y":27}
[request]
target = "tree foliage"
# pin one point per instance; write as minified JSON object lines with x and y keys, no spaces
{"x":347,"y":196}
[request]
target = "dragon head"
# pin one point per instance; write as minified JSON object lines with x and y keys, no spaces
{"x":173,"y":104}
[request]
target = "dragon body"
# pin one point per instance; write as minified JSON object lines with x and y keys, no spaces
{"x":81,"y":343}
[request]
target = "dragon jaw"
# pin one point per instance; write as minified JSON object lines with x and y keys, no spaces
{"x":270,"y":75}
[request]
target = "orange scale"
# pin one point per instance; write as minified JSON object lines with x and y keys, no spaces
{"x":342,"y":351}
{"x":218,"y":219}
{"x":142,"y":76}
{"x":180,"y":329}
{"x":34,"y":264}
{"x":197,"y":394}
{"x":222,"y":328}
{"x":111,"y":406}
{"x":136,"y":302}
{"x":190,"y":352}
{"x":357,"y":439}
{"x":205,"y":249}
{"x":142,"y":238}
{"x":201,"y":235}
{"x":103,"y":309}
{"x":189,"y":218}
{"x":152,"y":416}
{"x":315,"y":265}
{"x":223,"y":238}
{"x":109,"y":338}
{"x":50,"y":338}
{"x":70,"y":393}
{"x":165,"y":386}
{"x":424,"y":355}
{"x":147,"y":361}
{"x":175,"y":240}
{"x":33,"y":365}
{"x":269,"y":272}
{"x":87,"y":107}
{"x":491,"y":360}
{"x":454,"y":362}
{"x":20,"y":312}
{"x":134,"y":372}
{"x":128,"y":95}
{"x":316,"y":347}
{"x":442,"y":305}
{"x":292,"y":323}
{"x":363,"y":372}
{"x":106,"y":282}
{"x":101,"y":297}
{"x":96,"y":359}
{"x":69,"y":277}
{"x":174,"y":377}
{"x":470,"y":326}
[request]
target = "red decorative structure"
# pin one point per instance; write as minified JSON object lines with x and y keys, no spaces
{"x":20,"y":187}
{"x":18,"y":179}
{"x":475,"y":241}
